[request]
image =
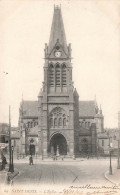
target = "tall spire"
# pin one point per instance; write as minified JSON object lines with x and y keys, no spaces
{"x":57,"y":31}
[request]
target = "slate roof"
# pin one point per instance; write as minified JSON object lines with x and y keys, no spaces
{"x":87,"y":108}
{"x":57,"y":31}
{"x":30,"y":108}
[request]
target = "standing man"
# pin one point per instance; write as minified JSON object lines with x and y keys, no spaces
{"x":30,"y":160}
{"x":4,"y":161}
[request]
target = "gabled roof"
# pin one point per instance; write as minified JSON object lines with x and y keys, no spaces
{"x":57,"y":31}
{"x":87,"y":108}
{"x":30,"y":108}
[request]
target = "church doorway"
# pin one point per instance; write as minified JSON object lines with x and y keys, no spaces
{"x":58,"y":142}
{"x":32,"y":149}
{"x":84,"y":146}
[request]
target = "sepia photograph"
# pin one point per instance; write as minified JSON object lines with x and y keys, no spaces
{"x":60,"y":97}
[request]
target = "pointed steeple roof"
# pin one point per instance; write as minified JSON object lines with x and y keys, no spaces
{"x":57,"y":31}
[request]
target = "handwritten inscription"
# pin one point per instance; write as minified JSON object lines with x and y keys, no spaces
{"x":71,"y":190}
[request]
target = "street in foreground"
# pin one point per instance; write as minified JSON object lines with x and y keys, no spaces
{"x":81,"y":176}
{"x":63,"y":172}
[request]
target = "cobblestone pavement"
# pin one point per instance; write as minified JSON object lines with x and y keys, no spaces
{"x":63,"y":172}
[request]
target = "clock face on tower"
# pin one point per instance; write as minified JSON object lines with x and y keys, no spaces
{"x":57,"y":54}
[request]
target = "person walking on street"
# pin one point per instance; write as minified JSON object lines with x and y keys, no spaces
{"x":4,"y":162}
{"x":30,"y":160}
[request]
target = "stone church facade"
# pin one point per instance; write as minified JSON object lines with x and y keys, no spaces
{"x":58,"y":121}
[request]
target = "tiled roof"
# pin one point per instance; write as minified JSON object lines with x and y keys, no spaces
{"x":87,"y":108}
{"x":30,"y":108}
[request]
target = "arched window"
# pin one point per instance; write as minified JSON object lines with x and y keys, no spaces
{"x":28,"y":124}
{"x":64,"y":122}
{"x":82,"y":124}
{"x":60,"y":122}
{"x":51,"y":122}
{"x":31,"y":141}
{"x":55,"y":122}
{"x":14,"y":143}
{"x":64,"y":75}
{"x":88,"y":124}
{"x":84,"y":140}
{"x":58,"y":118}
{"x":51,"y":75}
{"x":31,"y":124}
{"x":34,"y":123}
{"x":57,"y":75}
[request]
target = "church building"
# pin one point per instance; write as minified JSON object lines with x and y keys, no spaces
{"x":58,"y":122}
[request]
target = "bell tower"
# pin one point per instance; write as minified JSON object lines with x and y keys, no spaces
{"x":58,"y":58}
{"x":56,"y":98}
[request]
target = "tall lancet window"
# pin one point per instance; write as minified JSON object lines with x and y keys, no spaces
{"x":51,"y":75}
{"x":64,"y":75}
{"x":57,"y":75}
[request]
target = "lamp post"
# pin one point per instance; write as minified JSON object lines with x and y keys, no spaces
{"x":98,"y":149}
{"x":110,"y":147}
{"x":42,"y":146}
{"x":12,"y":165}
{"x":118,"y":164}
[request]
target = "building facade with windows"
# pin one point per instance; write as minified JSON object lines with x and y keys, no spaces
{"x":58,"y":121}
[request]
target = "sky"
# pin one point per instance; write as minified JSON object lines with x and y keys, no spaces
{"x":93,"y":29}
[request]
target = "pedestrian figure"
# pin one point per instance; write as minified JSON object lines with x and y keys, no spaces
{"x":55,"y":157}
{"x":9,"y":180}
{"x":88,"y":156}
{"x":30,"y":160}
{"x":62,"y":158}
{"x":4,"y":162}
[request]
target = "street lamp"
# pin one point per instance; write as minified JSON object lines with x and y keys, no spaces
{"x":97,"y":148}
{"x":118,"y":164}
{"x":110,"y":150}
{"x":42,"y":147}
{"x":12,"y":165}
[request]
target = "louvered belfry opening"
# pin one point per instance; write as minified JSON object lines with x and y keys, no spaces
{"x":51,"y":75}
{"x":64,"y":75}
{"x":57,"y":75}
{"x":57,"y":71}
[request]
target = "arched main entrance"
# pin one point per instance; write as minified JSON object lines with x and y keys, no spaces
{"x":58,"y":141}
{"x":32,"y":147}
